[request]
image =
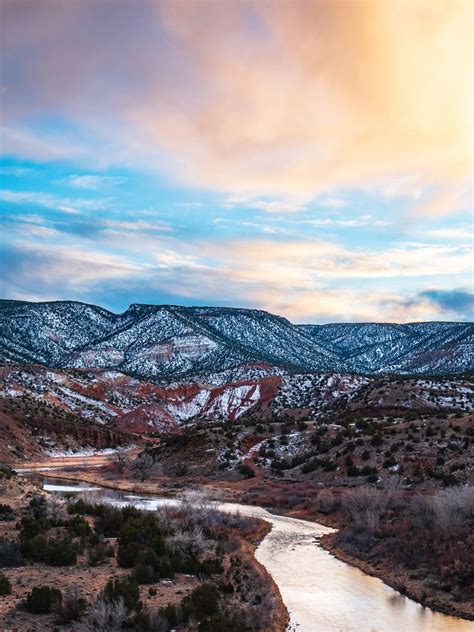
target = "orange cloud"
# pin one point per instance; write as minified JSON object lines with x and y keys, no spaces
{"x":289,"y":98}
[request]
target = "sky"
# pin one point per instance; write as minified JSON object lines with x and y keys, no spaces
{"x":310,"y":158}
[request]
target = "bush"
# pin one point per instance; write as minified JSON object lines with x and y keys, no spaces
{"x":144,"y":529}
{"x":78,"y":526}
{"x":31,"y":526}
{"x":125,"y":589}
{"x":109,"y":521}
{"x":72,"y":607}
{"x":60,"y":554}
{"x":81,"y":507}
{"x":107,"y":616}
{"x":52,"y":552}
{"x":246,"y":470}
{"x":6,"y":471}
{"x":43,"y":600}
{"x":170,"y":614}
{"x":202,"y":602}
{"x":144,"y":574}
{"x":35,"y":548}
{"x":6,"y":512}
{"x":127,"y":554}
{"x":326,"y":502}
{"x":5,"y":586}
{"x":95,"y":554}
{"x":210,"y":566}
{"x":9,"y":553}
{"x":310,"y":466}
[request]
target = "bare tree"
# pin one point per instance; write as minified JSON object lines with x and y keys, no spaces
{"x":365,"y":507}
{"x":105,"y":616}
{"x":144,"y":465}
{"x":191,"y":543}
{"x":120,"y":460}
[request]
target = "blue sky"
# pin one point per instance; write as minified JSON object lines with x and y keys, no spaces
{"x":201,"y":157}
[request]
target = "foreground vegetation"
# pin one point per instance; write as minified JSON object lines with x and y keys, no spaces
{"x":422,"y":544}
{"x":116,"y":567}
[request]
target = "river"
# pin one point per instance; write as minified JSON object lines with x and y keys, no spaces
{"x":321,"y":593}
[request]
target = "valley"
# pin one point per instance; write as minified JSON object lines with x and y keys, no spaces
{"x":366,"y":429}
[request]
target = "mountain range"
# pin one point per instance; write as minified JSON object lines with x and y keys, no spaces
{"x":169,"y":343}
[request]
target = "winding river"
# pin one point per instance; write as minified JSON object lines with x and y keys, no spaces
{"x":321,"y":593}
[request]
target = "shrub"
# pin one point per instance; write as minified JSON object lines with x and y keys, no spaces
{"x":31,"y":526}
{"x":35,"y":548}
{"x":246,"y":470}
{"x":144,"y":574}
{"x":60,"y":554}
{"x":72,"y":607}
{"x":6,"y":512}
{"x":151,"y":622}
{"x":144,"y":529}
{"x":202,"y":602}
{"x":125,"y":589}
{"x":106,"y":616}
{"x":78,"y":526}
{"x":127,"y":554}
{"x":52,"y":552}
{"x":377,"y":440}
{"x":310,"y":466}
{"x":6,"y":471}
{"x":109,"y":521}
{"x":43,"y":600}
{"x":210,"y":566}
{"x":170,"y":613}
{"x":325,"y":502}
{"x":82,"y":507}
{"x":9,"y":553}
{"x":5,"y":586}
{"x":95,"y":554}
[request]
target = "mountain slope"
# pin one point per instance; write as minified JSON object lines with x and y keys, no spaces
{"x":45,"y":332}
{"x":166,"y":343}
{"x":427,"y":348}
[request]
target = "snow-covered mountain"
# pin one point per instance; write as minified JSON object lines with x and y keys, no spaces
{"x":165,"y":343}
{"x":413,"y":348}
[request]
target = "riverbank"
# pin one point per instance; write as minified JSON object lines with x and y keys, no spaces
{"x":399,"y":580}
{"x":17,"y":493}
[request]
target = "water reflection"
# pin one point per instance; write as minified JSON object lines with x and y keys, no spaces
{"x":322,"y":594}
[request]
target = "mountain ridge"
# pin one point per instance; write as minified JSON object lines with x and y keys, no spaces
{"x":175,"y":343}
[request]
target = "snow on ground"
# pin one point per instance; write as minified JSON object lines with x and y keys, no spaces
{"x":87,"y":451}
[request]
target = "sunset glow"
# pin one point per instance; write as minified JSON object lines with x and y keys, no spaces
{"x":310,"y":158}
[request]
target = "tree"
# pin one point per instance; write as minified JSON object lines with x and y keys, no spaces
{"x":43,"y":599}
{"x":143,"y":465}
{"x":120,"y":460}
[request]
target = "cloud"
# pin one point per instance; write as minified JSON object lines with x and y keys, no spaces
{"x":431,"y":304}
{"x":458,"y":301}
{"x":69,"y":206}
{"x":34,"y":145}
{"x":269,"y":206}
{"x":315,"y":281}
{"x":92,"y":182}
{"x":60,"y":270}
{"x":295,"y":262}
{"x":258,"y":98}
{"x":17,"y":172}
{"x":332,"y":202}
{"x":455,"y":234}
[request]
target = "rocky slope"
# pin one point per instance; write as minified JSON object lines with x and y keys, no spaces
{"x":101,"y":398}
{"x":167,"y":344}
